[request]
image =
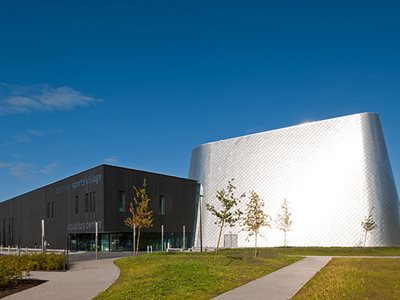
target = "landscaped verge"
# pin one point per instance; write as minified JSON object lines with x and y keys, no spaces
{"x":191,"y":275}
{"x":336,"y":251}
{"x":13,"y":268}
{"x":355,"y":278}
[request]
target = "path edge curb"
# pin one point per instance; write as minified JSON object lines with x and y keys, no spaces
{"x":304,"y":283}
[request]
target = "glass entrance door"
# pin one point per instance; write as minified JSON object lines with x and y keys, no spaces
{"x":115,"y":242}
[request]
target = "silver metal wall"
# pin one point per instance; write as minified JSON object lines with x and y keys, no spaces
{"x":331,"y":172}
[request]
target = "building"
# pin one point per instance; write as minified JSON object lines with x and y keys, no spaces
{"x":70,"y":208}
{"x":332,"y":173}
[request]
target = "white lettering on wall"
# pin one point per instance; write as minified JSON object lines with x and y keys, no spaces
{"x":82,"y":226}
{"x":95,"y":179}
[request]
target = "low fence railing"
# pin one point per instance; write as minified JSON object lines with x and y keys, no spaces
{"x":23,"y":250}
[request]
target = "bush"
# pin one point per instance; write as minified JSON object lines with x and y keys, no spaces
{"x":46,"y":261}
{"x":14,"y":268}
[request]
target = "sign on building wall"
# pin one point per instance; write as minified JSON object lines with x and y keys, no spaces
{"x":82,"y":227}
{"x":92,"y":179}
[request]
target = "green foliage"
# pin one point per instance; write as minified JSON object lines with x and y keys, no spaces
{"x":141,"y":214}
{"x":284,"y":221}
{"x":190,"y":275}
{"x":195,"y":276}
{"x":11,"y":269}
{"x":228,"y":201}
{"x":227,"y":214}
{"x":368,"y":224}
{"x":45,"y":261}
{"x":255,"y":218}
{"x":350,"y":278}
{"x":14,"y":268}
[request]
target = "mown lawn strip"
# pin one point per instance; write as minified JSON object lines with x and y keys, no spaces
{"x":190,"y":275}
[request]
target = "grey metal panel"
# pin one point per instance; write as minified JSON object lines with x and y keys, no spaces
{"x":332,"y":172}
{"x":27,"y":210}
{"x":179,"y":196}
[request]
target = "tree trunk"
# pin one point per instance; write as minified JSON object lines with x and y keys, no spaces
{"x":219,"y":238}
{"x":133,"y":240}
{"x":138,"y":239}
{"x":285,"y":239}
{"x":365,"y":238}
{"x":255,"y":245}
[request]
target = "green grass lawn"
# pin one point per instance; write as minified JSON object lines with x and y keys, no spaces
{"x":191,"y":275}
{"x":195,"y":276}
{"x":337,"y":251}
{"x":355,"y":278}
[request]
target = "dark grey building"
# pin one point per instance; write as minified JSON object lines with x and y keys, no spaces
{"x":70,"y":208}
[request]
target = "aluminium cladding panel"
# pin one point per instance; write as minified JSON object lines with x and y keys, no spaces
{"x":88,"y":184}
{"x":26,"y":211}
{"x":332,"y":173}
{"x":179,"y":195}
{"x":18,"y":219}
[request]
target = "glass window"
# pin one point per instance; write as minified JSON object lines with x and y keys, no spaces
{"x":48,"y":210}
{"x":90,"y":202}
{"x":4,"y":232}
{"x":162,"y":205}
{"x":87,"y":202}
{"x":94,"y":201}
{"x":76,"y":204}
{"x":52,"y":210}
{"x":121,"y":201}
{"x":104,"y":242}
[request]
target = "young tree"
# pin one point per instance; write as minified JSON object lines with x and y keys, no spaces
{"x":228,"y":214}
{"x":255,"y":217}
{"x":284,"y":221}
{"x":368,"y":224}
{"x":141,"y":214}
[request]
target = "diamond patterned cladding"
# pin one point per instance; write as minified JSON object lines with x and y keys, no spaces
{"x":332,"y":173}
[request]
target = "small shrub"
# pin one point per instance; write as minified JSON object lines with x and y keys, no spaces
{"x":14,"y":268}
{"x":47,"y":261}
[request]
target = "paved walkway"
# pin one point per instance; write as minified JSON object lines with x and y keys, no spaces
{"x":359,"y":256}
{"x":281,"y":284}
{"x":85,"y":280}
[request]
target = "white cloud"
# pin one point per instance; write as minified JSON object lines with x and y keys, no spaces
{"x":33,"y":132}
{"x":112,"y":159}
{"x":22,"y":170}
{"x":17,"y":99}
{"x":49,"y":168}
{"x":4,"y":165}
{"x":26,"y":136}
{"x":28,"y":170}
{"x":22,"y":138}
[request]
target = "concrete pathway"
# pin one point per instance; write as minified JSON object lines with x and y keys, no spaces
{"x":85,"y":280}
{"x":359,"y":256}
{"x":281,"y":284}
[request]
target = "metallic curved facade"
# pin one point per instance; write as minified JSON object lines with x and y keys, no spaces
{"x":332,"y":173}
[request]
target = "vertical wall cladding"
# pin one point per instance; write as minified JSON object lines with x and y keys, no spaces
{"x":74,"y":204}
{"x":179,"y":195}
{"x":380,"y":186}
{"x":332,"y":172}
{"x":20,"y":219}
{"x":87,"y":190}
{"x":55,"y":204}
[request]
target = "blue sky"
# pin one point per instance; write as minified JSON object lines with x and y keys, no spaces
{"x":139,"y":84}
